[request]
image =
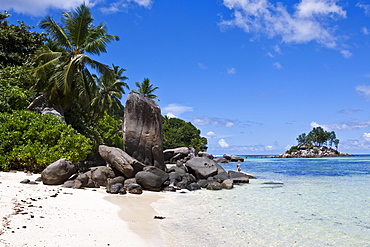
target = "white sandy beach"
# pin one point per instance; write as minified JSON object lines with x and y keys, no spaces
{"x":40,"y":215}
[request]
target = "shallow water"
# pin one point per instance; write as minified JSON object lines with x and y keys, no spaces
{"x":322,"y":202}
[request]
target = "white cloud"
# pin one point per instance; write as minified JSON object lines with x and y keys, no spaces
{"x":202,"y":66}
{"x":174,"y":110}
{"x":231,"y":71}
{"x":365,"y":7}
{"x":278,"y":65}
{"x":346,"y":53}
{"x":364,"y":90}
{"x":40,"y":7}
{"x":223,"y":143}
{"x":250,"y":148}
{"x":365,"y":31}
{"x":277,"y":49}
{"x":342,"y":126}
{"x":123,"y":5}
{"x":308,"y":22}
{"x":349,"y":111}
{"x":211,"y":134}
{"x":366,"y":137}
{"x":213,"y":121}
{"x":269,"y":148}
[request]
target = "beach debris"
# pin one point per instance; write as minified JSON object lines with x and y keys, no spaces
{"x":159,"y":217}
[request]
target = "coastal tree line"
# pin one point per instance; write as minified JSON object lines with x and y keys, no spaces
{"x":58,"y":68}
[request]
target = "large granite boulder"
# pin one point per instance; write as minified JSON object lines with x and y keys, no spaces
{"x":232,"y":158}
{"x":142,"y":130}
{"x":151,"y":178}
{"x":238,"y":177}
{"x":202,"y":167}
{"x":175,"y":154}
{"x":58,"y":172}
{"x":227,"y":184}
{"x":221,"y":173}
{"x":203,"y":154}
{"x":101,"y":174}
{"x":120,"y":160}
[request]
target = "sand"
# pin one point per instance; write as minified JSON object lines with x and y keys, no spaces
{"x":40,"y":215}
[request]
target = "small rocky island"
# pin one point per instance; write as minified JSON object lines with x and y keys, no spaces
{"x":303,"y":151}
{"x":316,"y":144}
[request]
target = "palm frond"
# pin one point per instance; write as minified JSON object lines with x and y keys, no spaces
{"x":78,"y":23}
{"x":56,"y":32}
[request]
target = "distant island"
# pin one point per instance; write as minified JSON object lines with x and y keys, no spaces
{"x":316,"y":144}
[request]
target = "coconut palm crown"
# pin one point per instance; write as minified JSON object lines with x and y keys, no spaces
{"x":146,"y":89}
{"x":63,"y":72}
{"x":109,"y":93}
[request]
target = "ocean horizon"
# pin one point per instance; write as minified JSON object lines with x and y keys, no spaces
{"x":293,"y":202}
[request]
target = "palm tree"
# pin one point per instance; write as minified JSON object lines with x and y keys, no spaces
{"x":146,"y":89}
{"x":109,"y":93}
{"x":63,"y":68}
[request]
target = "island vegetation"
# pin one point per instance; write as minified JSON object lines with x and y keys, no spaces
{"x":82,"y":96}
{"x":317,"y":143}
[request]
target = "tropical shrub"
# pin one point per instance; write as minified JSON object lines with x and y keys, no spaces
{"x":110,"y":129}
{"x":292,"y":149}
{"x":32,"y":141}
{"x":178,"y":133}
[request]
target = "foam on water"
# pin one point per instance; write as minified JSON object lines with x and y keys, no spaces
{"x":323,"y":202}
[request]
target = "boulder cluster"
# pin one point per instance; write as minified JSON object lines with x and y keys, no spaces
{"x":142,"y":164}
{"x":303,"y":151}
{"x":123,"y":174}
{"x":226,"y":158}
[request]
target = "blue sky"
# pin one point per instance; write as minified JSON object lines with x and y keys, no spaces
{"x":250,"y":74}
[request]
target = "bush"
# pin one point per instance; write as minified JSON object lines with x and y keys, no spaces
{"x":15,"y":84}
{"x":292,"y":150}
{"x":178,"y":133}
{"x":110,"y":130}
{"x":32,"y":141}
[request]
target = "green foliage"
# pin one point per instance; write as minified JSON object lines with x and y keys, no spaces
{"x":318,"y":137}
{"x":15,"y":83}
{"x":17,"y":43}
{"x":146,"y":89}
{"x":105,"y":130}
{"x":292,"y":149}
{"x":110,"y":130}
{"x":109,"y":93}
{"x":178,"y":133}
{"x":32,"y":141}
{"x":63,"y":69}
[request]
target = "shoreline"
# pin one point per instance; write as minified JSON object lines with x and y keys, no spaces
{"x":44,"y":215}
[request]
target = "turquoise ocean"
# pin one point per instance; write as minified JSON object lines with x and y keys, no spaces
{"x":316,"y":202}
